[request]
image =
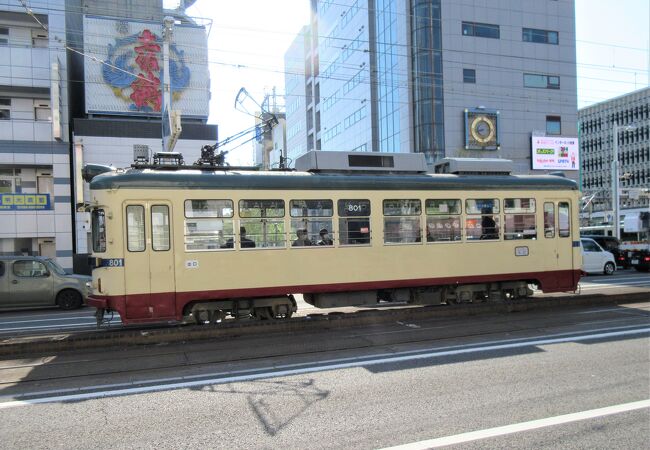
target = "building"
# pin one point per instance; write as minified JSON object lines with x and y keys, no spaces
{"x":35,"y":198}
{"x":439,"y":77}
{"x":630,"y":112}
{"x":116,"y":111}
{"x":297,"y":64}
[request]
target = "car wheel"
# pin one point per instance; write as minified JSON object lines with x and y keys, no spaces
{"x":610,"y":268}
{"x":69,"y":299}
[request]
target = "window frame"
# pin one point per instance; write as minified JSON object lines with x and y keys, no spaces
{"x":346,"y":216}
{"x":547,"y":84}
{"x":469,"y":76}
{"x":443,"y":217}
{"x":400,"y":217}
{"x":519,"y":212}
{"x":496,"y":217}
{"x":5,"y":105}
{"x":551,"y":120}
{"x":552,"y":233}
{"x":323,"y":220}
{"x":96,"y":213}
{"x":559,"y":218}
{"x":32,"y":261}
{"x":544,"y":36}
{"x":218,"y":216}
{"x":168,"y":229}
{"x":144,"y":229}
{"x":473,"y":27}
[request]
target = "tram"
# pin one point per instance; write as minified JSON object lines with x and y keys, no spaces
{"x":202,"y":244}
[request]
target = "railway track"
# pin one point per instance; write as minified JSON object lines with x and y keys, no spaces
{"x":164,"y":334}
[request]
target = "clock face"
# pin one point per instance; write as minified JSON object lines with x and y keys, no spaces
{"x":483,"y":129}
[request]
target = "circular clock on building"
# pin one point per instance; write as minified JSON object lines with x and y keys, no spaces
{"x":483,"y":129}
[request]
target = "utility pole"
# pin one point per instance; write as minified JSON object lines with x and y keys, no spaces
{"x":171,"y":126}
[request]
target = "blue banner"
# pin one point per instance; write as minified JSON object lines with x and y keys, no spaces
{"x":25,"y":202}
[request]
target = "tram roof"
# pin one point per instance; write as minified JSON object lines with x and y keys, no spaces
{"x":244,"y":180}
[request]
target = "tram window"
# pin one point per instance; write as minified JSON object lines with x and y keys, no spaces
{"x":135,"y":228}
{"x":482,"y":221}
{"x":311,"y":224}
{"x":209,"y":225}
{"x":564,"y":218}
{"x":402,"y":221}
{"x":263,"y":222}
{"x":519,"y":218}
{"x":160,"y":228}
{"x":443,"y":220}
{"x":354,"y":222}
{"x":311,"y":208}
{"x":98,"y":226}
{"x":549,"y":220}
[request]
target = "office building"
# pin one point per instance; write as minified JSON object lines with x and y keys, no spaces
{"x":439,"y":77}
{"x":630,"y":113}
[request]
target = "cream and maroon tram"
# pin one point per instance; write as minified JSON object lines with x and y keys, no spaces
{"x":172,"y":244}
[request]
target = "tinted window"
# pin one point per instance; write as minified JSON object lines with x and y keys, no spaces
{"x":2,"y":268}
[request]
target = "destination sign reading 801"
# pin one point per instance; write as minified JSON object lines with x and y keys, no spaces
{"x":351,"y":208}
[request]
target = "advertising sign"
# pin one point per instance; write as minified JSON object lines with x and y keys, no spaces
{"x":555,"y":153}
{"x":24,"y":202}
{"x":127,"y":76}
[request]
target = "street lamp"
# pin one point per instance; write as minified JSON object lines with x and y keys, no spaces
{"x":615,"y":194}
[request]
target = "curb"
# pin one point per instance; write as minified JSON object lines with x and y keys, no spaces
{"x":175,"y":334}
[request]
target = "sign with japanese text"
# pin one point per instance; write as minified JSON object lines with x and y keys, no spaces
{"x":24,"y":202}
{"x":555,"y":153}
{"x":127,"y":76}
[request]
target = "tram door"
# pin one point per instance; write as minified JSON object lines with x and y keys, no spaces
{"x":149,"y":260}
{"x":557,"y":229}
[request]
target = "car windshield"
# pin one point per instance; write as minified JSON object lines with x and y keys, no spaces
{"x":56,"y":267}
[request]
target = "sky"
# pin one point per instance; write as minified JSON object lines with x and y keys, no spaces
{"x":248,"y":40}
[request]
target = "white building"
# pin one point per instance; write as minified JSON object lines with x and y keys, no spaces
{"x":35,"y":199}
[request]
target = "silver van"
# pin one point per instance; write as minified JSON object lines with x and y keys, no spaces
{"x":34,"y":281}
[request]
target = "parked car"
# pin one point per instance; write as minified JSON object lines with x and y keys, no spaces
{"x":640,"y":260}
{"x":34,"y":281}
{"x":612,"y":245}
{"x":595,"y":259}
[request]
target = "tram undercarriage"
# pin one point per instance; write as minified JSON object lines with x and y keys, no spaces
{"x":283,"y":307}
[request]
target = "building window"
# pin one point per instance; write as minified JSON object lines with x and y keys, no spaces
{"x":469,"y":76}
{"x":532,"y":80}
{"x":5,"y":109}
{"x":42,"y":111}
{"x":540,"y":36}
{"x":485,"y":30}
{"x":553,"y":125}
{"x":4,"y":36}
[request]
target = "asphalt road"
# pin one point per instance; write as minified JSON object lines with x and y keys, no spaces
{"x":53,"y":319}
{"x":576,"y":378}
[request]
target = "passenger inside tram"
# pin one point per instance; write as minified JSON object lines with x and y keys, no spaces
{"x":302,"y":240}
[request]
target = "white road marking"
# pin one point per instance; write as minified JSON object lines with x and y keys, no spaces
{"x":54,"y":319}
{"x":523,"y":426}
{"x":44,"y":327}
{"x":270,"y":372}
